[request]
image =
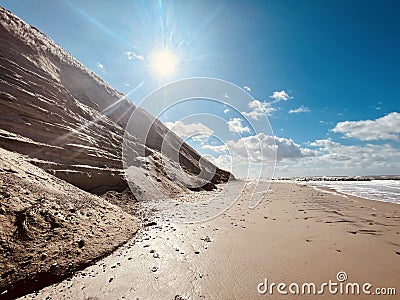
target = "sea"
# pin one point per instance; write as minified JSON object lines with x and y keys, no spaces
{"x":380,"y":190}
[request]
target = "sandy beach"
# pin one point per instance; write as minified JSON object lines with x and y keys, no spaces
{"x":297,"y":234}
{"x":199,"y":150}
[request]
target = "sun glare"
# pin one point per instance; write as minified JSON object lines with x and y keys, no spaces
{"x":164,"y":63}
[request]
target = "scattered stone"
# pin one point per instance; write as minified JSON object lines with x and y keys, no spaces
{"x":150,"y":224}
{"x":81,"y":244}
{"x":206,"y":239}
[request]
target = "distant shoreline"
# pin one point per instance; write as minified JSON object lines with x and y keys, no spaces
{"x":341,"y":178}
{"x":375,"y":190}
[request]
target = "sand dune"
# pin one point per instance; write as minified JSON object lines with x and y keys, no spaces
{"x":49,"y":228}
{"x":68,"y":120}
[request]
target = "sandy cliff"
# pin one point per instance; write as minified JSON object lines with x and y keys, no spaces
{"x":50,"y":228}
{"x":68,"y":120}
{"x":61,"y":135}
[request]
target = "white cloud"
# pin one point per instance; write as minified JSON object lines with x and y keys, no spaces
{"x":235,"y":125}
{"x":334,"y":158}
{"x":216,"y":148}
{"x":248,"y":156}
{"x":223,"y":162}
{"x":253,"y":149}
{"x":132,"y":55}
{"x":198,"y":130}
{"x":258,"y":109}
{"x":280,"y":96}
{"x":101,"y":67}
{"x":247,"y":88}
{"x":354,"y":158}
{"x":325,"y":144}
{"x":384,"y":128}
{"x":226,"y":110}
{"x":286,"y":148}
{"x":323,"y":123}
{"x":261,"y":148}
{"x":301,"y":109}
{"x":323,"y":157}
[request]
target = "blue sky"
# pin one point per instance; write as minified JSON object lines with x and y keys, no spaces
{"x":331,"y":62}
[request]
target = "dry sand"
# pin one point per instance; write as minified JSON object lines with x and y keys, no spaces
{"x":50,"y":228}
{"x":297,"y":234}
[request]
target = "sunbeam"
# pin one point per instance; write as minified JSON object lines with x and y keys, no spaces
{"x":98,"y":24}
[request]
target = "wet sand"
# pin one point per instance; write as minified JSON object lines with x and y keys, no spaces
{"x":296,"y":234}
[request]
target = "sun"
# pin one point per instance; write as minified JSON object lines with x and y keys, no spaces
{"x":164,"y":63}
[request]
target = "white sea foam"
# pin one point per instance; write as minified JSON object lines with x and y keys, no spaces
{"x":380,"y":190}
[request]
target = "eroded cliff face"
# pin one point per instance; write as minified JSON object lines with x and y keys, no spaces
{"x":65,"y":118}
{"x":50,"y":228}
{"x":51,"y":109}
{"x":61,"y":135}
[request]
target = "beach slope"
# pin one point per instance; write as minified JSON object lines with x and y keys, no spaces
{"x":296,"y":235}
